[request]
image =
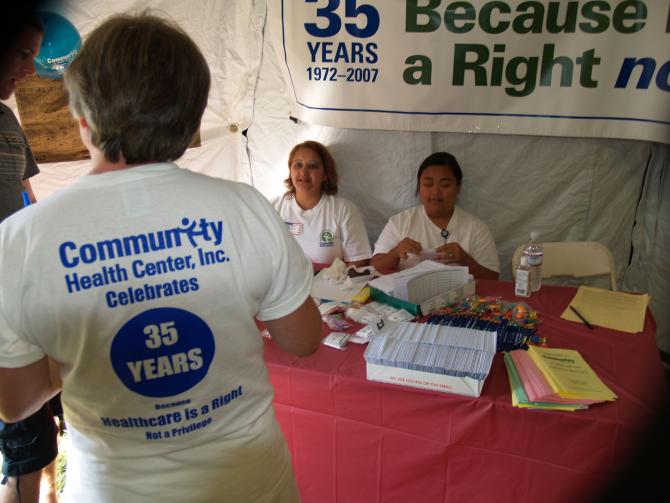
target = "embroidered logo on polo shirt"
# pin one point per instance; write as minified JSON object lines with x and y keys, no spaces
{"x":294,"y":228}
{"x":326,"y":239}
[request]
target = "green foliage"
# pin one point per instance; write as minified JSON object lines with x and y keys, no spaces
{"x":61,"y":463}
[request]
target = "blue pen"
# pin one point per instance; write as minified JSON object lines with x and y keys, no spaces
{"x":26,"y":198}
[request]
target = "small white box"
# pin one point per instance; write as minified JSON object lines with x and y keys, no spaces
{"x":437,"y":382}
{"x":337,"y":340}
{"x":452,"y":296}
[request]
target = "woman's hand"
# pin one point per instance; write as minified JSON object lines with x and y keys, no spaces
{"x":451,"y":253}
{"x":405,"y":247}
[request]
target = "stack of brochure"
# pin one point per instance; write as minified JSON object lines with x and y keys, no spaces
{"x":556,"y":379}
{"x":452,"y":359}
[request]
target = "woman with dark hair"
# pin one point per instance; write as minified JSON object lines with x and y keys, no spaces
{"x":326,"y":227}
{"x":437,"y":229}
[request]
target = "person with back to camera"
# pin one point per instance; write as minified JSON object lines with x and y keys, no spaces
{"x":448,"y":233}
{"x":143,"y":283}
{"x":326,"y":226}
{"x":29,"y":447}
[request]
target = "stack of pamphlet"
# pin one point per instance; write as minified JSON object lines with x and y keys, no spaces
{"x":555,"y":379}
{"x":451,"y":359}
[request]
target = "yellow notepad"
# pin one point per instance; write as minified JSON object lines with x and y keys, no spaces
{"x":605,"y":308}
{"x":569,"y":375}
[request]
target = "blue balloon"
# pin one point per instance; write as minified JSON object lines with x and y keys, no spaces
{"x":60,"y":45}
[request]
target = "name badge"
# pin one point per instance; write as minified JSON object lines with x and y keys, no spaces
{"x":294,"y":228}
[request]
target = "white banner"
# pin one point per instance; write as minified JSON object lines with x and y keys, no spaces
{"x":565,"y":68}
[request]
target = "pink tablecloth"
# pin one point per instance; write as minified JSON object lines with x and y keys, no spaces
{"x":354,"y":440}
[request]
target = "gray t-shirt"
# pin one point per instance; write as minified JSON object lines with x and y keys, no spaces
{"x":17,"y":163}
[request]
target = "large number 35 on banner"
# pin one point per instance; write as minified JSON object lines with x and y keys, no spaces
{"x":578,"y":68}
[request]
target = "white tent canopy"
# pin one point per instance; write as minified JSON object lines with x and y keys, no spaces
{"x":613,"y":191}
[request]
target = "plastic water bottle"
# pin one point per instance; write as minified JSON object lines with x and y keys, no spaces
{"x":523,"y":278}
{"x":534,"y":253}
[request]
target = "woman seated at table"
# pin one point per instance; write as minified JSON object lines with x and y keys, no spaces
{"x":437,"y":229}
{"x":326,"y":227}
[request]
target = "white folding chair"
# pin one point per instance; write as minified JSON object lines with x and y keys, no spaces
{"x":576,"y":259}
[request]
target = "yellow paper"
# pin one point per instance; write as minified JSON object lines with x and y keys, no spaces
{"x":605,"y":308}
{"x":569,"y":374}
{"x":567,"y":408}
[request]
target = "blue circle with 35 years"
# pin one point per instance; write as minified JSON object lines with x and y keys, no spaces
{"x":162,"y":352}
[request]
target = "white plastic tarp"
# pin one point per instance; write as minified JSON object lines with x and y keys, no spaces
{"x":612,"y":191}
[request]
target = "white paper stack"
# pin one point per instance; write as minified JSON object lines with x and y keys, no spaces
{"x":430,"y":284}
{"x":424,"y":281}
{"x":394,"y":284}
{"x":436,"y":349}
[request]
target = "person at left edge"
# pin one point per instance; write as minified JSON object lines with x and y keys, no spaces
{"x":325,"y":226}
{"x":142,"y":280}
{"x":29,"y":446}
{"x":17,"y":162}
